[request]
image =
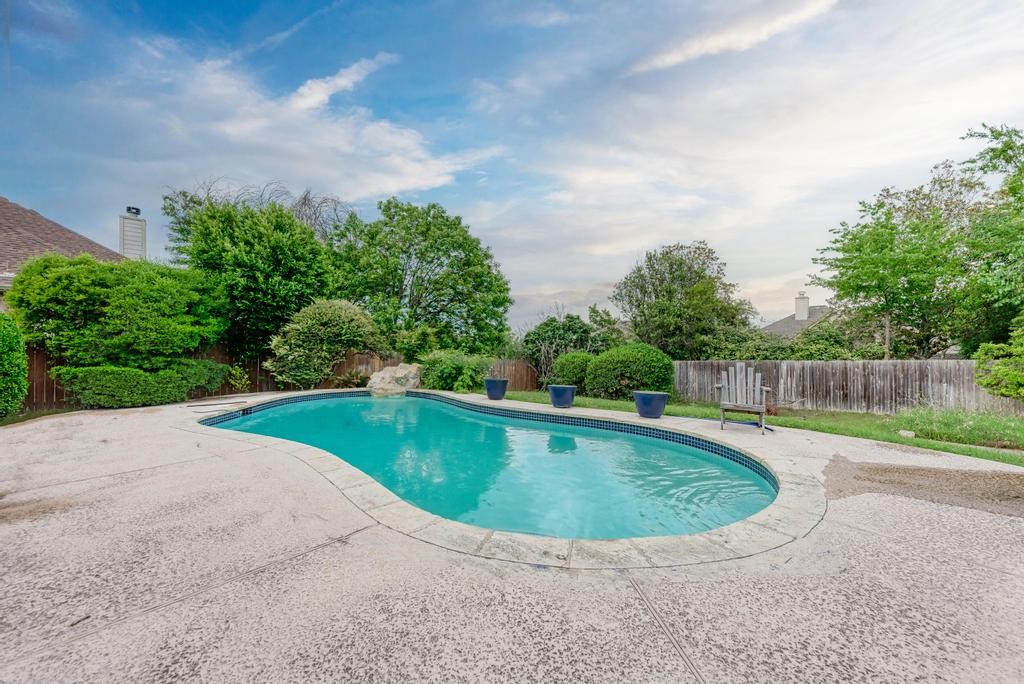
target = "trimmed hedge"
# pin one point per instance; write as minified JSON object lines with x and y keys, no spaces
{"x":616,"y":373}
{"x":454,"y":370}
{"x":571,"y":369}
{"x":120,"y":387}
{"x":13,"y":366}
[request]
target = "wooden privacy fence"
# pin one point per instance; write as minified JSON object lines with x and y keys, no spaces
{"x":521,"y":375}
{"x":45,"y":393}
{"x":857,"y":386}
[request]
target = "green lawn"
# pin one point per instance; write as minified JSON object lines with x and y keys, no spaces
{"x":980,"y":435}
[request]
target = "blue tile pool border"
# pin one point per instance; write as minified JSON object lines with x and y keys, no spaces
{"x":685,"y":439}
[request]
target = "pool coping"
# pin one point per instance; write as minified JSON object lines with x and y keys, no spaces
{"x":799,"y":505}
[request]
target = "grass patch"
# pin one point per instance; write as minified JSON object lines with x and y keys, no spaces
{"x":985,"y":429}
{"x":980,"y":435}
{"x":31,"y":415}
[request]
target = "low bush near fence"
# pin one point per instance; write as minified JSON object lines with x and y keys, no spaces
{"x":13,"y":367}
{"x":454,"y":370}
{"x":616,"y":373}
{"x":119,"y":387}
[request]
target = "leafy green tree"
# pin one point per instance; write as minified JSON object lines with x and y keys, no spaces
{"x":1004,"y":155}
{"x":417,"y":266}
{"x":901,"y":266}
{"x":755,"y":345}
{"x":939,"y":263}
{"x":827,"y":341}
{"x":269,"y":263}
{"x":993,"y":292}
{"x":678,"y":300}
{"x":413,"y":344}
{"x":1001,"y":366}
{"x":317,"y":338}
{"x":133,"y":313}
{"x":554,"y":336}
{"x":607,"y":330}
{"x":322,"y":213}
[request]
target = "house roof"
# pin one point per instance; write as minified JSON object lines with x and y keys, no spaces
{"x":789,"y":327}
{"x":25,"y":233}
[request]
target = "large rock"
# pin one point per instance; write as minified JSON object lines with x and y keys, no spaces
{"x":395,"y":379}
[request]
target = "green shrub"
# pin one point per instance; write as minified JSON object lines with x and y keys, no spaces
{"x":13,"y":367}
{"x":269,"y":263}
{"x":571,"y":369}
{"x":317,"y":338}
{"x":447,"y":369}
{"x":131,"y":313}
{"x":552,"y":337}
{"x":414,"y":344}
{"x":615,"y":373}
{"x":199,"y":373}
{"x":1000,"y":367}
{"x":238,"y":378}
{"x":119,"y":387}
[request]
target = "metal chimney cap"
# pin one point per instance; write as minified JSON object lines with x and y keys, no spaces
{"x":134,"y":211}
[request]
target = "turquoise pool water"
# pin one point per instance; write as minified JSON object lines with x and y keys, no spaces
{"x":520,"y":475}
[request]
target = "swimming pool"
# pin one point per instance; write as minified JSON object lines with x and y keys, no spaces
{"x":522,"y":472}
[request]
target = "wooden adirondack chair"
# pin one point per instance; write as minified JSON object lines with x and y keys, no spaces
{"x":742,"y":391}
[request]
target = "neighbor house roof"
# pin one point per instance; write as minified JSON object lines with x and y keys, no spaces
{"x":25,"y":234}
{"x":789,"y":327}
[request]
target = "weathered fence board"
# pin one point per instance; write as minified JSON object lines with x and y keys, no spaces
{"x":521,"y":375}
{"x":857,"y":386}
{"x":45,"y":393}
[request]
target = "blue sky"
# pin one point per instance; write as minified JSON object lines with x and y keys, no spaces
{"x":571,"y":136}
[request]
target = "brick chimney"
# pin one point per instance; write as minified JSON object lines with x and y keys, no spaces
{"x":803,"y":306}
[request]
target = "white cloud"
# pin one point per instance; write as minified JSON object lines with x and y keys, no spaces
{"x":316,"y":92}
{"x":758,"y":157}
{"x":742,"y":34}
{"x":173,"y":121}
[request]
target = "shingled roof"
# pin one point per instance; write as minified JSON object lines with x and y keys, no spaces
{"x":25,"y":234}
{"x":789,"y":327}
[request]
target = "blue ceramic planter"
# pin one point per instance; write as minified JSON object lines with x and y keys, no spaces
{"x":562,"y":395}
{"x":650,"y":404}
{"x":495,"y":387}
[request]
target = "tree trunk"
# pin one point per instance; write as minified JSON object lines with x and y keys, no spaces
{"x":888,"y":337}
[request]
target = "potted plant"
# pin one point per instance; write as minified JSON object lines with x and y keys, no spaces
{"x":495,"y":385}
{"x":562,"y":395}
{"x":650,"y":404}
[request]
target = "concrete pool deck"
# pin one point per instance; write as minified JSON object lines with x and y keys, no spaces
{"x":136,"y":547}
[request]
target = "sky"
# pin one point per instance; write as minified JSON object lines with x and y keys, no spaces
{"x":571,"y":136}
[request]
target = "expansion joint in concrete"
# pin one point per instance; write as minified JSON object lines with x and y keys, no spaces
{"x":668,"y":632}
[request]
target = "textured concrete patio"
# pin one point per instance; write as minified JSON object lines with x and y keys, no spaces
{"x":136,"y":550}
